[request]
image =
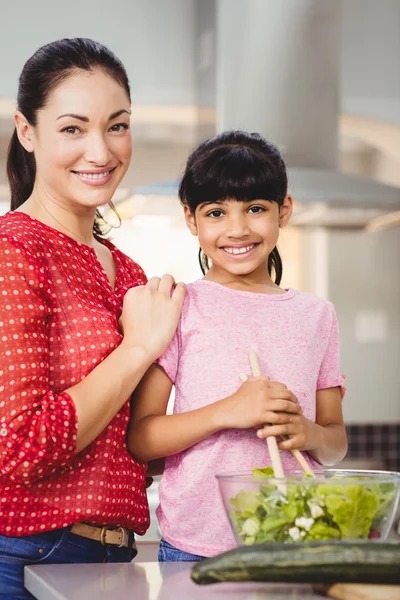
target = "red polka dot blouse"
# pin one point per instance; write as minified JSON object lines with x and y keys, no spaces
{"x":58,"y":320}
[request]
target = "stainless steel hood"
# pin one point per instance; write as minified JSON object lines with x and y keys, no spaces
{"x":327,"y":198}
{"x":278,"y":72}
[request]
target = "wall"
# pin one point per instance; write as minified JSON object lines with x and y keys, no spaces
{"x":360,"y":272}
{"x":370,"y":66}
{"x":153,"y":38}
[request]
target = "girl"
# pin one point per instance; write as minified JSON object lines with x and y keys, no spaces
{"x":70,"y":491}
{"x":234,"y":193}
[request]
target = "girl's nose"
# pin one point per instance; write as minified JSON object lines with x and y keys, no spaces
{"x":237,"y":226}
{"x":97,"y":151}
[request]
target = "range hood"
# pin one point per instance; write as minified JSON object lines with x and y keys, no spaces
{"x":328,"y":198}
{"x":278,"y":72}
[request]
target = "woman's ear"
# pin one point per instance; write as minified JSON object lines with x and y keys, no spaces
{"x":190,"y":220}
{"x":25,"y":131}
{"x":285,"y":211}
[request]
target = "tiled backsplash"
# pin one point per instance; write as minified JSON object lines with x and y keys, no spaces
{"x":378,"y":443}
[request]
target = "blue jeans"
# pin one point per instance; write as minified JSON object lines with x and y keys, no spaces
{"x":52,"y":547}
{"x":167,"y":553}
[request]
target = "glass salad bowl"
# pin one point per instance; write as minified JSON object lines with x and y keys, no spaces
{"x":336,"y":504}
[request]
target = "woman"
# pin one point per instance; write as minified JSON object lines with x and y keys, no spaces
{"x":70,"y":491}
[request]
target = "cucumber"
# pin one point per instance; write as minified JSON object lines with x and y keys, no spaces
{"x":343,"y":561}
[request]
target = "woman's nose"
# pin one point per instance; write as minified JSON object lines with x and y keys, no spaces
{"x":97,"y":151}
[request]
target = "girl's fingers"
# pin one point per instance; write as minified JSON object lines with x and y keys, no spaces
{"x":291,"y":444}
{"x":278,"y":418}
{"x":283,"y":395}
{"x":275,"y":430}
{"x":286,"y":406}
{"x":276,"y":385}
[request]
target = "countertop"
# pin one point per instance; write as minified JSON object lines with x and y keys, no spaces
{"x":145,"y":581}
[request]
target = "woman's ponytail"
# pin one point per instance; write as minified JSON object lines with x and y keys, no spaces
{"x":21,"y":170}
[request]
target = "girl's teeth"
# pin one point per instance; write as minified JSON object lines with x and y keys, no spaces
{"x":239,"y":250}
{"x":94,"y":175}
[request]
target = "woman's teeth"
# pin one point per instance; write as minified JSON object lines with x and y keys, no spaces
{"x":94,"y":175}
{"x":239,"y":250}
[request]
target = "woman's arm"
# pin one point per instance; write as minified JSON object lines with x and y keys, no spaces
{"x":42,"y":429}
{"x":152,"y":434}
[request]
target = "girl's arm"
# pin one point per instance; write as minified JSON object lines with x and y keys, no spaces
{"x":325,"y":440}
{"x":329,"y":433}
{"x":152,"y":434}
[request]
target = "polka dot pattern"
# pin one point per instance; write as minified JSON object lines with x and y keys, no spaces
{"x":58,"y":320}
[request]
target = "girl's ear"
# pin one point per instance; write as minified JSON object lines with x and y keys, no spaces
{"x":285,"y":211}
{"x":25,"y":131}
{"x":190,"y":220}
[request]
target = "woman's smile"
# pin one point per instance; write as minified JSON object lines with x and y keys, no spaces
{"x":96,"y":177}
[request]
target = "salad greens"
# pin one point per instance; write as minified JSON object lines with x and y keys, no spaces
{"x":309,"y":512}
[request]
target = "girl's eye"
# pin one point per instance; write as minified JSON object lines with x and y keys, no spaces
{"x":119,"y":127}
{"x":70,"y":130}
{"x":215,"y":213}
{"x":256,"y":209}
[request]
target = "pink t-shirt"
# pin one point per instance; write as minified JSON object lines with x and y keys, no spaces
{"x":295,"y":335}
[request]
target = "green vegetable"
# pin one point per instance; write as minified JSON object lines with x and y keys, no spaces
{"x":343,"y":509}
{"x":316,"y":562}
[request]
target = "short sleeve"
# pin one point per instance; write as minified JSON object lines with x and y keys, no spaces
{"x":169,"y":361}
{"x":330,"y":374}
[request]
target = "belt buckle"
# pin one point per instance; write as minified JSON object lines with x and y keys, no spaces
{"x":124,"y":537}
{"x":103,"y":533}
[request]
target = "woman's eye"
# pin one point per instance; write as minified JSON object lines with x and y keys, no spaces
{"x":119,"y":127}
{"x":215,"y":213}
{"x":70,"y":130}
{"x":256,"y":209}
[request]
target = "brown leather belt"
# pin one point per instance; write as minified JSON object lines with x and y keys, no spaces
{"x":119,"y":536}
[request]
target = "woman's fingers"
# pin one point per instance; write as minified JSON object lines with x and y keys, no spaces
{"x":165,"y":285}
{"x":153,"y":283}
{"x":179,"y":293}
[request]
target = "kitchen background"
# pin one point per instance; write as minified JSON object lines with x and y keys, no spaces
{"x":320,"y":78}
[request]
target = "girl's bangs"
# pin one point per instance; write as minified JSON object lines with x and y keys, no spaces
{"x":241,"y":175}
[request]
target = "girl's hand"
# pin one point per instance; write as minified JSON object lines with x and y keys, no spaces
{"x":151,"y":313}
{"x":258,"y":401}
{"x":301,"y":433}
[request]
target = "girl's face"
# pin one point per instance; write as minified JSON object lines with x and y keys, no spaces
{"x":239,"y":236}
{"x":82,"y":141}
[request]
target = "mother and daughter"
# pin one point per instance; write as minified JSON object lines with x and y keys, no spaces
{"x":90,"y":349}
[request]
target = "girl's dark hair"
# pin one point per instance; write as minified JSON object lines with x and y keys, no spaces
{"x":42,"y":73}
{"x":237,"y":165}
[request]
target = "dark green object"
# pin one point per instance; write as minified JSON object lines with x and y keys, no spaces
{"x":315,"y":562}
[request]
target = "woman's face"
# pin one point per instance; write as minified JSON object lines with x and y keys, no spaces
{"x":82,"y":141}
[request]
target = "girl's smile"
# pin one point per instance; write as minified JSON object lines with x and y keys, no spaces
{"x":239,"y":252}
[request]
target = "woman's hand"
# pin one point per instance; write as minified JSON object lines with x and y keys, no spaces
{"x":258,"y":401}
{"x":302,"y":433}
{"x":151,"y":313}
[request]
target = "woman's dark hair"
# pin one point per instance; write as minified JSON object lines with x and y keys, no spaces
{"x":238,"y":165}
{"x":42,"y":73}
